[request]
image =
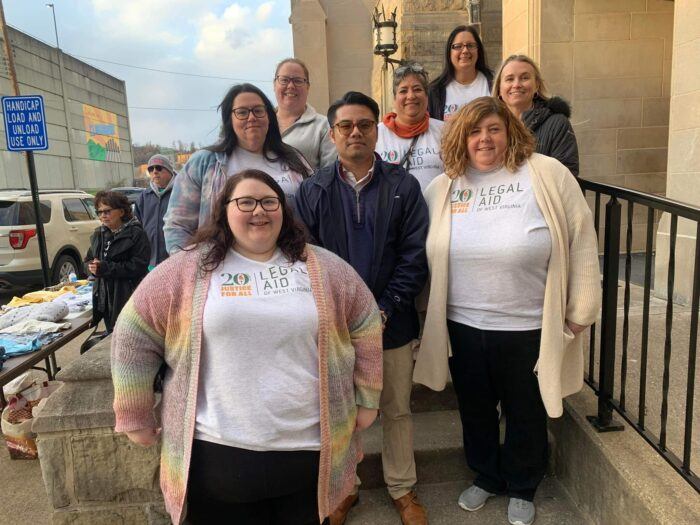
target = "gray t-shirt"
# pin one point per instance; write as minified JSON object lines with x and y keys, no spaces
{"x":499,"y":252}
{"x":258,"y":380}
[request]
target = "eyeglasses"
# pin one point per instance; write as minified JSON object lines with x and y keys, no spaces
{"x":151,"y":169}
{"x":471,"y":46}
{"x":345,"y":127}
{"x":244,"y":113}
{"x":104,"y":211}
{"x":248,"y":204}
{"x":409,"y":68}
{"x":297,"y":81}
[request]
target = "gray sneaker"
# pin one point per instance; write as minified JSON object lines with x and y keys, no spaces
{"x":473,"y":498}
{"x":520,"y":512}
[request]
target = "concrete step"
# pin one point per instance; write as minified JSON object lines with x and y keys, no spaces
{"x":437,"y":445}
{"x":425,"y":400}
{"x":554,"y":507}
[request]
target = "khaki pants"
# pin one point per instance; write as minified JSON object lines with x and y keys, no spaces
{"x":398,"y":463}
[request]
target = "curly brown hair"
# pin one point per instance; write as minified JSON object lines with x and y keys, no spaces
{"x":455,"y":154}
{"x":116,"y":201}
{"x":216,"y":235}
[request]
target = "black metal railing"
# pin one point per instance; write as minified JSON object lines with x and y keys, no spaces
{"x":672,"y":349}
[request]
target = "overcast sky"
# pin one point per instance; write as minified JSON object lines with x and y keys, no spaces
{"x":242,"y":40}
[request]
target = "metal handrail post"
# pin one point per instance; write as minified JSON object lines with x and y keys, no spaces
{"x":603,"y":421}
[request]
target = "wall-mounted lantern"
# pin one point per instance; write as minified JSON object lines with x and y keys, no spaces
{"x":385,"y":35}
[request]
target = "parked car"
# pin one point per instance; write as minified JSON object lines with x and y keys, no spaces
{"x":69,"y":218}
{"x":131,"y":192}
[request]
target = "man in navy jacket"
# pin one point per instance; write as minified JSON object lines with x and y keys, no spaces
{"x":373,"y":215}
{"x":152,"y":204}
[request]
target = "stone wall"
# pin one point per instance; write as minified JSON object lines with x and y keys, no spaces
{"x":684,"y":149}
{"x":423,"y":28}
{"x":612,"y":61}
{"x":91,"y":474}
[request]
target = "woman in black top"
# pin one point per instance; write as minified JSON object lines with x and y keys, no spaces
{"x":519,"y":84}
{"x":465,"y":75}
{"x":118,"y":257}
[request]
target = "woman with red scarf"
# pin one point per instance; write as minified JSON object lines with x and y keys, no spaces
{"x":409,"y":137}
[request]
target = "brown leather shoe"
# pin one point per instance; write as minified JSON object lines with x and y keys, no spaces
{"x":339,"y":515}
{"x":411,"y":510}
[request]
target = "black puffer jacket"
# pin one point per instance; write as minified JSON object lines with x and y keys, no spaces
{"x":549,"y":122}
{"x":124,"y":260}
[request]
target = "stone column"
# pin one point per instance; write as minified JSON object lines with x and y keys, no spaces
{"x":683,"y":181}
{"x":91,"y":474}
{"x":308,"y":20}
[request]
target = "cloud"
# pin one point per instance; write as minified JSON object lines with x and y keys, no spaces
{"x":238,"y":40}
{"x":264,"y":11}
{"x":145,"y":20}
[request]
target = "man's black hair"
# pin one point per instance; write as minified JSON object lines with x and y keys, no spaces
{"x":353,"y":98}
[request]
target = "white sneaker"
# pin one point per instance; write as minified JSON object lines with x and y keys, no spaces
{"x":520,"y":512}
{"x":473,"y":498}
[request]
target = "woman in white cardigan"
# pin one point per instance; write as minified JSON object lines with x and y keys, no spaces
{"x":514,"y":281}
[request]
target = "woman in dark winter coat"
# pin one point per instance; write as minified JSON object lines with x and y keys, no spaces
{"x":118,"y":257}
{"x":465,"y":75}
{"x":519,"y":84}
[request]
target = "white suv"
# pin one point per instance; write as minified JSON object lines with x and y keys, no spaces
{"x":69,"y":219}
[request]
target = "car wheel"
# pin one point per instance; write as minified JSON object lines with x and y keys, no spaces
{"x":64,"y":266}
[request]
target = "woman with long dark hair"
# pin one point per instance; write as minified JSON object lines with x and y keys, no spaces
{"x":273,"y":364}
{"x":465,"y":74}
{"x":250,"y":139}
{"x":118,"y":257}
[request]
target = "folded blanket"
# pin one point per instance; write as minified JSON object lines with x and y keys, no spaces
{"x":51,"y":312}
{"x":15,"y":345}
{"x":32,"y":326}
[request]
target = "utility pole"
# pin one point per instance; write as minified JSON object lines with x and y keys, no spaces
{"x":29,"y":154}
{"x":66,"y":107}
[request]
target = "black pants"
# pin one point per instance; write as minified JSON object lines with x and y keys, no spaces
{"x":488,"y":367}
{"x":230,"y":485}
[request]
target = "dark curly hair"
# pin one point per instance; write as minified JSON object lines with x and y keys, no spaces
{"x":216,"y":235}
{"x":273,"y":147}
{"x":116,"y":201}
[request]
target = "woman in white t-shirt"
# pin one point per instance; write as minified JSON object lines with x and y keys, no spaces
{"x":408,"y":136}
{"x":249,"y":139}
{"x":514,"y":274}
{"x":273,"y":356}
{"x":465,"y":74}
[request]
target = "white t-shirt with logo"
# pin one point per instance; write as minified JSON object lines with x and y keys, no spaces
{"x":424,"y":163}
{"x":457,"y":95}
{"x":499,"y":252}
{"x":242,"y":159}
{"x":258,"y":377}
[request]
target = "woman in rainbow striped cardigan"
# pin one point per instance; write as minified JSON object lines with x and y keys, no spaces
{"x":273,"y":363}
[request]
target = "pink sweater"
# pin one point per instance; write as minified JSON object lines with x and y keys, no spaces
{"x":163,"y":323}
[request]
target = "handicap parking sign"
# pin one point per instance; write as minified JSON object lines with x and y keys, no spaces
{"x":25,"y":123}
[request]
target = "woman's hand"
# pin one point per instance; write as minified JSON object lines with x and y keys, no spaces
{"x":575,"y":328}
{"x":144,"y":437}
{"x":94,"y":267}
{"x":365,"y":417}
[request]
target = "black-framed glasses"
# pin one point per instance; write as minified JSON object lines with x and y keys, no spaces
{"x":104,"y":211}
{"x":471,"y":46}
{"x":297,"y":81}
{"x":151,"y":169}
{"x":244,"y":113}
{"x":248,"y":204}
{"x":345,"y":127}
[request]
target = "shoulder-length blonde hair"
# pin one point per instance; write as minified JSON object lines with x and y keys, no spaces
{"x":540,"y":89}
{"x":455,"y":156}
